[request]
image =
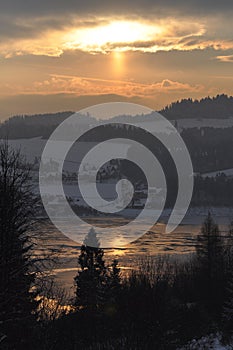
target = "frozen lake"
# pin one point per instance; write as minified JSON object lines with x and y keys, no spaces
{"x":180,"y":243}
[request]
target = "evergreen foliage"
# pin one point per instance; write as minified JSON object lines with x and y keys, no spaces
{"x":16,"y":275}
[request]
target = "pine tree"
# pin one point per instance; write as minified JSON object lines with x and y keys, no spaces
{"x":16,"y":215}
{"x":114,"y":281}
{"x":113,"y":290}
{"x":97,"y":285}
{"x":210,"y":262}
{"x":91,"y":239}
{"x":91,"y":280}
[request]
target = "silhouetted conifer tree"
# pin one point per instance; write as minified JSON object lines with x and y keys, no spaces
{"x":91,"y":280}
{"x":16,"y":216}
{"x":211,"y":267}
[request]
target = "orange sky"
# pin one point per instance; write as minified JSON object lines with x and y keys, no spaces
{"x":74,"y":55}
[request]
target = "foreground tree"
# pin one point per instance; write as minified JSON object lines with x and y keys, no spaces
{"x":97,"y":285}
{"x":227,"y":312}
{"x":212,"y":277}
{"x":16,"y":216}
{"x":91,"y":280}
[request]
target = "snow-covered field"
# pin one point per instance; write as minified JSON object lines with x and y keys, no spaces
{"x":190,"y":123}
{"x":212,"y":342}
{"x":34,"y":147}
{"x":201,"y":123}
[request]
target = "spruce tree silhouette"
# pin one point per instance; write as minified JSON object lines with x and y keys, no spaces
{"x":210,"y":261}
{"x":91,"y":280}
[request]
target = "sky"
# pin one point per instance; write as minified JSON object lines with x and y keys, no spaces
{"x":68,"y":55}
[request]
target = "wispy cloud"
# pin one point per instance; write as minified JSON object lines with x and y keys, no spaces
{"x":83,"y":85}
{"x":228,"y":58}
{"x":65,"y":84}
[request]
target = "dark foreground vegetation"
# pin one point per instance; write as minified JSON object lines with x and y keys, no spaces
{"x":162,"y":304}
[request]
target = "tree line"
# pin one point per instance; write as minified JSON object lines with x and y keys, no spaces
{"x":42,"y":125}
{"x":219,"y":107}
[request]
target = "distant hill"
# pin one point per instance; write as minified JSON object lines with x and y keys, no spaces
{"x":28,"y":126}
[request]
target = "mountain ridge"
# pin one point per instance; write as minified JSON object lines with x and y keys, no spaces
{"x":28,"y":126}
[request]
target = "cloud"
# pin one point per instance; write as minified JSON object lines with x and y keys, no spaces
{"x":89,"y":86}
{"x":228,"y":58}
{"x":40,"y":37}
{"x":85,"y":86}
{"x":61,"y":92}
{"x":104,"y":7}
{"x":101,"y":36}
{"x":43,"y":28}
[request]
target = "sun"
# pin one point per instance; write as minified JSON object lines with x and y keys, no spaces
{"x":114,"y":36}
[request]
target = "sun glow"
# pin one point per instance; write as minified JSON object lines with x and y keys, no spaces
{"x":119,"y":244}
{"x":114,"y":36}
{"x":118,"y":64}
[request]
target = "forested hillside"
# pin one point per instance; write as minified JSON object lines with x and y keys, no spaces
{"x":220,"y":106}
{"x":28,"y":126}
